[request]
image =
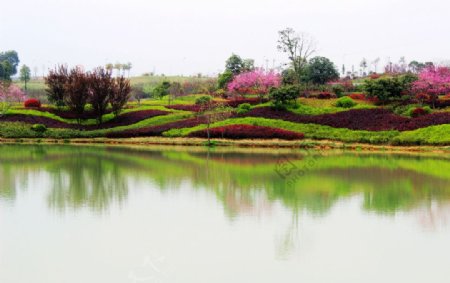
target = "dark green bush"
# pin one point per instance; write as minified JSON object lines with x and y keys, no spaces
{"x":338,"y":90}
{"x":203,"y":100}
{"x":389,"y":88}
{"x":39,"y":128}
{"x":284,"y":96}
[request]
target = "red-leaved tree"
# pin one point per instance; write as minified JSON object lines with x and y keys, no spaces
{"x":121,"y":94}
{"x":77,"y":91}
{"x":101,"y":89}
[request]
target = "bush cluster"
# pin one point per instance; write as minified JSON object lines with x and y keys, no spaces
{"x":284,"y":96}
{"x":345,"y":102}
{"x":243,"y":108}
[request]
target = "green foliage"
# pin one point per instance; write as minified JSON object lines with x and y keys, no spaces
{"x":243,"y":108}
{"x":288,"y":77}
{"x":345,"y":102}
{"x":161,"y":90}
{"x":284,"y":96}
{"x":225,"y":78}
{"x":39,"y":128}
{"x":202,"y":100}
{"x":9,"y":61}
{"x":434,"y":135}
{"x":25,"y":75}
{"x":321,"y":70}
{"x":338,"y":89}
{"x":387,"y":89}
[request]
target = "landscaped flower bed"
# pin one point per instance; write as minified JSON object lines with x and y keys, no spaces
{"x":248,"y":132}
{"x":69,"y":114}
{"x":185,"y":107}
{"x":122,"y":120}
{"x":157,"y":130}
{"x":358,"y":119}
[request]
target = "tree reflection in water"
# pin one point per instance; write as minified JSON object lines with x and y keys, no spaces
{"x":244,"y":182}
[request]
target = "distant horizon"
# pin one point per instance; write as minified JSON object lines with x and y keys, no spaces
{"x":178,"y":37}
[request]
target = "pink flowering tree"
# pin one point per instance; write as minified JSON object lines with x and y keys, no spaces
{"x":9,"y":94}
{"x":433,"y":82}
{"x":257,"y":82}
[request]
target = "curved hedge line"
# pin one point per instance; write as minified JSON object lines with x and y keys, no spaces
{"x":357,"y":119}
{"x":248,"y":132}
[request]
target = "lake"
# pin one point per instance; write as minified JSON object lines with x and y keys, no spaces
{"x":166,"y":214}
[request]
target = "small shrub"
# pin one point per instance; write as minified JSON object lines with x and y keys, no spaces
{"x":32,"y":103}
{"x":203,"y":100}
{"x":243,"y":108}
{"x":345,"y":102}
{"x":338,"y":90}
{"x":283,"y":96}
{"x":221,"y":93}
{"x":39,"y":128}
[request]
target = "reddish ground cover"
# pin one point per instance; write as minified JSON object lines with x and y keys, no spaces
{"x":123,"y":120}
{"x":248,"y":132}
{"x":69,"y":114}
{"x":183,"y":107}
{"x":358,"y":119}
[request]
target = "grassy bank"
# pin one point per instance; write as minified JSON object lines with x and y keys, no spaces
{"x":327,"y":145}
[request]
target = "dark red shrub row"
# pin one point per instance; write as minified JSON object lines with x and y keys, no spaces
{"x":122,"y":120}
{"x":419,"y":112}
{"x":325,"y":95}
{"x":253,"y":101}
{"x":130,"y":118}
{"x":69,"y":114}
{"x":442,"y":103}
{"x":357,"y":96}
{"x":183,"y":107}
{"x":358,"y":119}
{"x":32,"y":103}
{"x":248,"y":132}
{"x":157,"y":130}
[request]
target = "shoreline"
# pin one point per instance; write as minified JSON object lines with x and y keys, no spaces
{"x":327,"y":145}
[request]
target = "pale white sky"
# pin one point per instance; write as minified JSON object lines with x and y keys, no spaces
{"x":191,"y":36}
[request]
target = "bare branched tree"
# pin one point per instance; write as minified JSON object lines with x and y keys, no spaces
{"x":298,"y":46}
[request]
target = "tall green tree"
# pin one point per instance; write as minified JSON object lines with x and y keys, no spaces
{"x":321,"y":70}
{"x":12,"y":57}
{"x":25,"y":75}
{"x":234,"y":64}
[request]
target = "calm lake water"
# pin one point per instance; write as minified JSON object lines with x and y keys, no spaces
{"x":99,"y":214}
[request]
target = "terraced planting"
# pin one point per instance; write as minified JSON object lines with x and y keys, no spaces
{"x":367,"y":123}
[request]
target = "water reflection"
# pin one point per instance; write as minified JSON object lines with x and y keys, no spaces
{"x":245,"y":183}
